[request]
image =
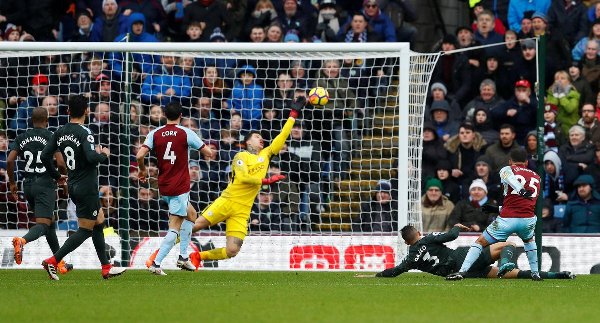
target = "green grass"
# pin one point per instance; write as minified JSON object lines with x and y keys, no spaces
{"x":225,"y":296}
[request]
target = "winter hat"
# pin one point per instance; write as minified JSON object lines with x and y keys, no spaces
{"x":39,"y":79}
{"x":291,"y":36}
{"x":108,"y":1}
{"x":478,"y":183}
{"x":434,"y":182}
{"x":440,"y":105}
{"x":439,"y":86}
{"x":383,"y":186}
{"x":444,"y":164}
{"x":549,"y":107}
{"x":450,"y":39}
{"x":324,"y":3}
{"x":217,"y":35}
{"x":583,"y":180}
{"x":552,"y":156}
{"x":540,"y":15}
{"x":9,"y":29}
{"x":527,"y":43}
{"x":483,"y":159}
{"x":193,"y":163}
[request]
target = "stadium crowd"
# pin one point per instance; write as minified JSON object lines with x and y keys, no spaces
{"x":481,"y":103}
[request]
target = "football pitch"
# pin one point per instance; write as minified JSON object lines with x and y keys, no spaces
{"x":228,"y":296}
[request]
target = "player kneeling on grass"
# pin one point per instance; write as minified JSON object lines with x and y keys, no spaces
{"x":82,"y":156}
{"x":39,"y":187}
{"x":430,"y":254}
{"x":170,"y":144}
{"x":248,"y":171}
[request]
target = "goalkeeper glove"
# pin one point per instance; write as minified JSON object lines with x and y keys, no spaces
{"x":489,"y":208}
{"x":526,"y":194}
{"x":297,"y":106}
{"x":272,"y":179}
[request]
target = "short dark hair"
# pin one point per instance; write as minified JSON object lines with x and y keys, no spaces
{"x":518,"y":155}
{"x":77,"y":105}
{"x":508,"y":126}
{"x":39,"y":115}
{"x":173,"y":110}
{"x":409,"y":233}
{"x":468,"y":126}
{"x":249,"y":135}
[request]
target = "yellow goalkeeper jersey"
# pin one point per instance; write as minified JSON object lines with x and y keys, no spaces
{"x":248,"y":170}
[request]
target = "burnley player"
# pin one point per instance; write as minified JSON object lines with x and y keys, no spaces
{"x":170,"y":144}
{"x":82,"y":156}
{"x":248,"y":171}
{"x":38,"y":186}
{"x":521,"y":190}
{"x":429,"y":254}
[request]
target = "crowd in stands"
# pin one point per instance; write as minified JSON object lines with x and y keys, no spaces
{"x":481,"y":103}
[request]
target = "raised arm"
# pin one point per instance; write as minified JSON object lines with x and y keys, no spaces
{"x":279,"y":141}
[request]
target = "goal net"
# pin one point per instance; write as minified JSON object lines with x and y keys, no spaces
{"x":352,"y":166}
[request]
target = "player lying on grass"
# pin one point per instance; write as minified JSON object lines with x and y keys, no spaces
{"x":39,"y":188}
{"x":430,"y":254}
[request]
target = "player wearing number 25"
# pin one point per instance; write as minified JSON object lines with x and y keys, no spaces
{"x":521,"y":190}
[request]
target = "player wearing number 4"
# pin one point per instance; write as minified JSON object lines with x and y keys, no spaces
{"x":248,"y":171}
{"x":76,"y":143}
{"x":521,"y":190}
{"x":170,"y":144}
{"x":39,"y":187}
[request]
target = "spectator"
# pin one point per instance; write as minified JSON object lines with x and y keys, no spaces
{"x":576,"y":155}
{"x":110,"y":24}
{"x":526,"y":65}
{"x":229,"y":145}
{"x":380,"y":214}
{"x":263,"y":16}
{"x":509,"y":55}
{"x":296,"y":20}
{"x":146,"y":214}
{"x":435,"y":207}
{"x":445,"y":128}
{"x":328,"y":22}
{"x":499,"y":153}
{"x":594,"y":35}
{"x":582,"y":214}
{"x":358,"y":30}
{"x":20,"y":121}
{"x":168,"y":85}
{"x":450,"y":188}
{"x":531,"y":147}
{"x":108,"y":203}
{"x":468,"y":211}
{"x":380,"y":22}
{"x":558,"y":50}
{"x":137,"y":33}
{"x":135,"y":112}
{"x":590,"y":123}
{"x":594,"y":168}
{"x":257,"y":35}
{"x":493,"y":69}
{"x":590,"y":65}
{"x":107,"y":135}
{"x":210,"y":12}
{"x":499,"y":27}
{"x":266,"y":214}
{"x":283,"y":95}
{"x":570,"y":17}
{"x":566,"y":98}
{"x":207,"y":121}
{"x":454,"y":71}
{"x":299,"y":75}
{"x":550,"y":224}
{"x":270,"y":125}
{"x":286,"y":193}
{"x":519,"y":111}
{"x":56,"y":115}
{"x":247,"y":97}
{"x":466,"y":39}
{"x":482,"y":124}
{"x":153,"y":11}
{"x":464,"y":150}
{"x":213,"y":178}
{"x":517,"y":9}
{"x":485,"y":33}
{"x":439,"y":92}
{"x":64,"y":81}
{"x":194,"y":31}
{"x":553,"y":135}
{"x":526,"y":26}
{"x":433,"y":151}
{"x":554,"y":181}
{"x":581,"y":84}
{"x":402,"y":14}
{"x":214,"y":84}
{"x":84,"y":28}
{"x":488,"y":99}
{"x":105,"y":90}
{"x":483,"y":171}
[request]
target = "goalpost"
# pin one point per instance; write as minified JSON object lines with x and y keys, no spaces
{"x":366,"y":140}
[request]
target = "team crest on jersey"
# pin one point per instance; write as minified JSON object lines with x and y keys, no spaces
{"x":240,"y":162}
{"x":261,"y":159}
{"x":90,"y":138}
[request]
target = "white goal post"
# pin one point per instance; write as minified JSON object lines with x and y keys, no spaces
{"x":373,"y":143}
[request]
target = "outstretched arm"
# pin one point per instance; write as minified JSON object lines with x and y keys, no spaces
{"x":279,"y":141}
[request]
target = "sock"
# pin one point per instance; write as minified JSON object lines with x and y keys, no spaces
{"x":214,"y":254}
{"x":526,"y":274}
{"x":506,"y":255}
{"x":52,"y":239}
{"x":531,"y":251}
{"x":472,"y":255}
{"x":99,"y":244}
{"x":74,"y":241}
{"x":166,"y":245}
{"x":35,"y":232}
{"x":185,"y":234}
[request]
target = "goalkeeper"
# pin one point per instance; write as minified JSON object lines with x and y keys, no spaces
{"x":248,"y":171}
{"x":429,"y":254}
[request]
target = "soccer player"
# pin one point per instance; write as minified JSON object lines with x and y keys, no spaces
{"x":170,"y":144}
{"x":81,"y":155}
{"x":248,"y":171}
{"x":521,"y":190}
{"x":429,"y":254}
{"x":38,"y":186}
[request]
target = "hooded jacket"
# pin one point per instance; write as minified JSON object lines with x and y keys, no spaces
{"x":145,"y":61}
{"x":583,"y":216}
{"x":247,"y":99}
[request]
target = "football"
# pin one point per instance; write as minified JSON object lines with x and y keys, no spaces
{"x":318,"y":96}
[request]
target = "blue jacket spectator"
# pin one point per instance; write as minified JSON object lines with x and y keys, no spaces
{"x":247,"y":97}
{"x":109,"y":24}
{"x":379,"y":21}
{"x":578,"y":51}
{"x":137,"y":34}
{"x":151,"y":9}
{"x":582,"y":214}
{"x":517,"y":8}
{"x":170,"y":85}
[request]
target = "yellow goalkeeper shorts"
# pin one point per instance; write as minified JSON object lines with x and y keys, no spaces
{"x":234,"y":214}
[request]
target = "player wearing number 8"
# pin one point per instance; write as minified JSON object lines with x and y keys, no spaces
{"x":170,"y":144}
{"x":76,"y":143}
{"x":521,"y":190}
